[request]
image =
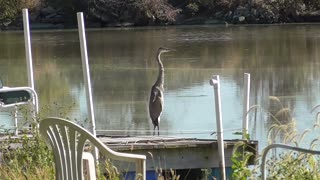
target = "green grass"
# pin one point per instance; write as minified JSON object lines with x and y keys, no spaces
{"x":281,"y":164}
{"x":29,"y":158}
{"x":33,"y":159}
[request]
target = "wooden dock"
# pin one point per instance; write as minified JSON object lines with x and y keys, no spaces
{"x":174,"y":152}
{"x":170,"y":152}
{"x":187,"y":156}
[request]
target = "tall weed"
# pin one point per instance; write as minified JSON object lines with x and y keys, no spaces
{"x":282,"y":164}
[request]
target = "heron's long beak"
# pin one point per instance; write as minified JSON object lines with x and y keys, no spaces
{"x":164,"y":50}
{"x":171,"y":50}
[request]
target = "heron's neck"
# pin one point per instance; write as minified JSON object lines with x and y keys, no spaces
{"x":160,"y":79}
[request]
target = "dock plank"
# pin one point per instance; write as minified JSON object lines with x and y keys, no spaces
{"x":170,"y":152}
{"x":174,"y":152}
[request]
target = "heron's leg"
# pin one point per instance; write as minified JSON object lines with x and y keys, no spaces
{"x":158,"y":130}
{"x":154,"y":130}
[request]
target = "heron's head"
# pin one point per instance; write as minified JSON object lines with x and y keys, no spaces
{"x":164,"y":50}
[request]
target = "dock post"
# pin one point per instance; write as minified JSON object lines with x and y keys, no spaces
{"x":27,"y":43}
{"x":246,"y":104}
{"x":215,"y":82}
{"x":16,"y":131}
{"x":86,"y":75}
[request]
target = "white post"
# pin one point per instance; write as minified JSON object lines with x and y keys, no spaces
{"x":16,"y":131}
{"x":246,"y":104}
{"x":86,"y":74}
{"x":27,"y":44}
{"x":215,"y":82}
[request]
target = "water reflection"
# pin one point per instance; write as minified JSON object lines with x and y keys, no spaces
{"x":282,"y":60}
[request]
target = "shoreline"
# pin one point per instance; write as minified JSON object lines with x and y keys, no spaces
{"x":47,"y":16}
{"x":45,"y":26}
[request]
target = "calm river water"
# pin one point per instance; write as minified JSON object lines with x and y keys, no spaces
{"x":283,"y":61}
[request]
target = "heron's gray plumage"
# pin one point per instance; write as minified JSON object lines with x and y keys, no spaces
{"x":156,"y":95}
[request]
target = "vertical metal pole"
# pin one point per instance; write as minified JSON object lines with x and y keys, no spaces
{"x":246,"y":104}
{"x":215,"y":82}
{"x":16,"y":120}
{"x":86,"y":75}
{"x":27,"y":44}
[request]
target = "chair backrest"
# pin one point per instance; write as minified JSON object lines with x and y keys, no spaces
{"x":68,"y":139}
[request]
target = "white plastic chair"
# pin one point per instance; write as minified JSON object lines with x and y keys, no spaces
{"x":68,"y":139}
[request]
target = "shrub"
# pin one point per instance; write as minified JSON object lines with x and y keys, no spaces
{"x":312,"y":5}
{"x":9,"y":10}
{"x":28,"y":156}
{"x":283,"y":164}
{"x":159,"y":10}
{"x":192,"y":9}
{"x":141,"y":12}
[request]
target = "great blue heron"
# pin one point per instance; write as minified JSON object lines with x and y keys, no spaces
{"x":156,"y":95}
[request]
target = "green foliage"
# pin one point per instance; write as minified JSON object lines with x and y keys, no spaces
{"x":293,"y":165}
{"x":106,"y":170}
{"x":32,"y":156}
{"x":312,"y":5}
{"x":167,"y":174}
{"x":240,"y":166}
{"x":285,"y":10}
{"x":9,"y":11}
{"x":192,"y":8}
{"x":26,"y":156}
{"x":240,"y":158}
{"x":282,"y":164}
{"x":141,"y":12}
{"x":157,"y":10}
{"x":207,"y":174}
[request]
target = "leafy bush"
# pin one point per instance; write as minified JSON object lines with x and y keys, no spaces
{"x":31,"y":160}
{"x":283,"y":164}
{"x":159,"y":10}
{"x":26,"y":156}
{"x":9,"y":10}
{"x":286,"y":10}
{"x":141,"y":12}
{"x":192,"y":8}
{"x":240,"y":158}
{"x":312,"y":5}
